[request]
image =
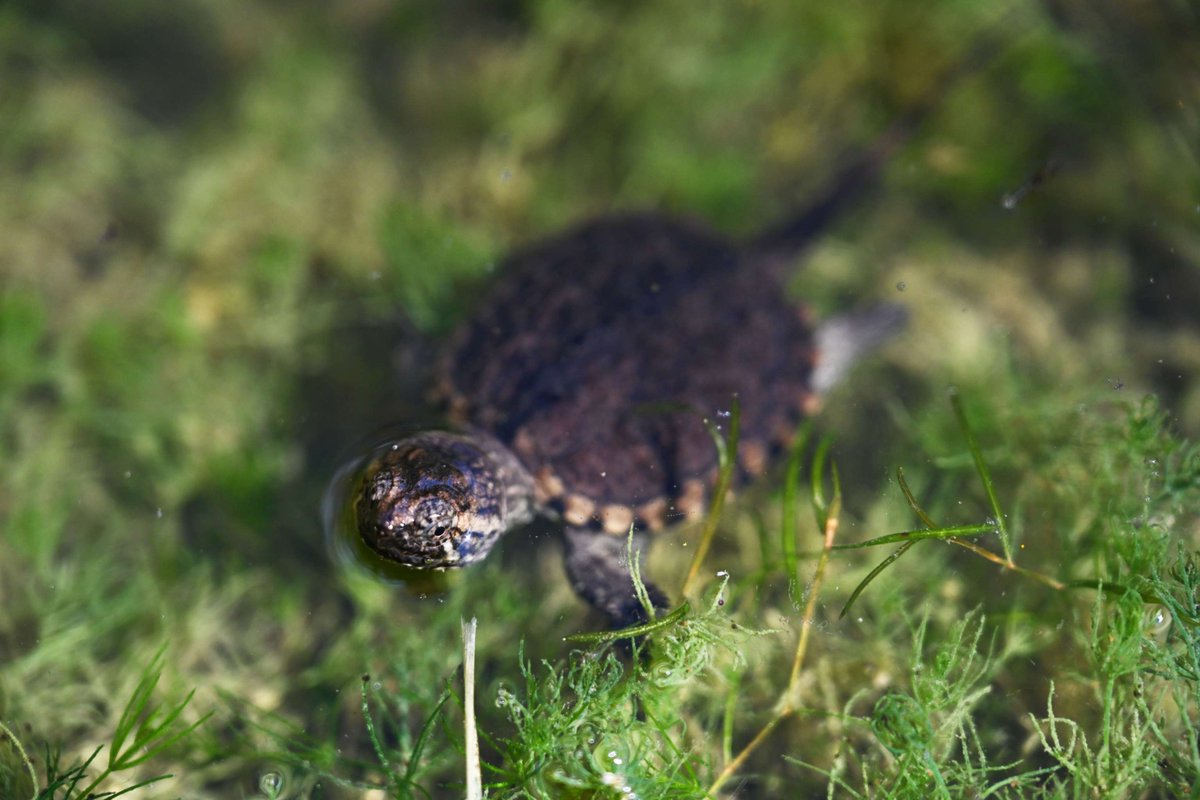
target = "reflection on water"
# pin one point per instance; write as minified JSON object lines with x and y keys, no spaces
{"x":347,"y":548}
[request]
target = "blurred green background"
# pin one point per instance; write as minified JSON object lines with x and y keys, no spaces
{"x":232,"y":234}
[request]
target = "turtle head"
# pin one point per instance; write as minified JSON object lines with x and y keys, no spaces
{"x":437,"y":499}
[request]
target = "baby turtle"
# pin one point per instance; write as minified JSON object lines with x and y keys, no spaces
{"x":581,"y":386}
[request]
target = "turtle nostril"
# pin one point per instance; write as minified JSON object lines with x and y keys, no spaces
{"x":434,"y":513}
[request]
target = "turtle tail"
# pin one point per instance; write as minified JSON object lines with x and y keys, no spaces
{"x":860,"y":172}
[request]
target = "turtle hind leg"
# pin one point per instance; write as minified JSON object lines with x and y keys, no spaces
{"x":844,"y":339}
{"x":598,"y":568}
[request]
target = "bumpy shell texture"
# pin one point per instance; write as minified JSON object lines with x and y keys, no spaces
{"x":600,"y":352}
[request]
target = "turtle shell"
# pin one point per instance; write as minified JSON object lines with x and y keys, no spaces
{"x":602,"y":351}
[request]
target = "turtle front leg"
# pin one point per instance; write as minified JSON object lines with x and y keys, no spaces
{"x":598,"y":568}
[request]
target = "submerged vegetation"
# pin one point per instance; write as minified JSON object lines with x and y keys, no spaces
{"x":233,"y":233}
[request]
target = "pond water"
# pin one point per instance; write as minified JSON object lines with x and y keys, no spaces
{"x":240,"y":238}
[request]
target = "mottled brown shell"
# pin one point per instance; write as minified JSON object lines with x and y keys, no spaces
{"x":600,"y":352}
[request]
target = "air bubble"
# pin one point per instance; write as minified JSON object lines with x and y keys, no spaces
{"x":1156,"y":621}
{"x":270,"y":784}
{"x":901,"y":286}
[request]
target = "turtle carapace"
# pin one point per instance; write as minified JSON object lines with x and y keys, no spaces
{"x":580,"y":388}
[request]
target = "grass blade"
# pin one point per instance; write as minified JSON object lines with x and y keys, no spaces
{"x":887,"y":562}
{"x":637,"y":630}
{"x":6,"y":733}
{"x":984,"y":474}
{"x":912,"y":501}
{"x":918,"y":535}
{"x":410,"y":773}
{"x":727,"y":449}
{"x":788,"y":532}
{"x":471,"y":735}
{"x":820,"y":507}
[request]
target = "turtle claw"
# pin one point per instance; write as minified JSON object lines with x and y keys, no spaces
{"x":633,"y":613}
